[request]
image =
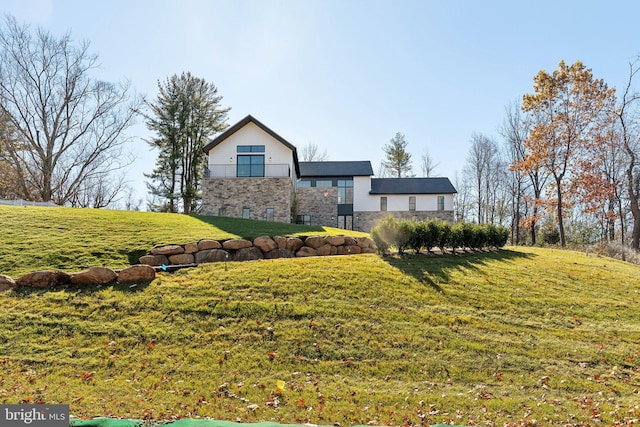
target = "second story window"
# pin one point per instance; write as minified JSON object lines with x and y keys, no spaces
{"x":345,"y":191}
{"x":250,"y":165}
{"x":440,"y":203}
{"x":383,"y":204}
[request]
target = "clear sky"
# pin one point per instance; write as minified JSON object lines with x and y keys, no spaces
{"x":348,"y":74}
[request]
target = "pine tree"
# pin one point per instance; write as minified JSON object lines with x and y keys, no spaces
{"x":398,"y":160}
{"x":186,"y":113}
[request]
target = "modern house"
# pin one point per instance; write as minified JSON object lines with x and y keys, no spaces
{"x":254,"y":173}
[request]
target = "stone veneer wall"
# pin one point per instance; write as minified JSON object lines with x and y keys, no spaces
{"x":365,"y":221}
{"x":257,"y":194}
{"x":322,"y":209}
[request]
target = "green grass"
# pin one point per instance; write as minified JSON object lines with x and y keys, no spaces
{"x":499,"y":338}
{"x":36,"y":238}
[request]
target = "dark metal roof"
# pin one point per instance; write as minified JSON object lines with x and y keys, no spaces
{"x":411,"y":186}
{"x":250,"y":119}
{"x":354,"y":168}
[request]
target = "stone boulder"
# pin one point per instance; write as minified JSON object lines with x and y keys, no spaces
{"x":366,"y":242}
{"x":368,"y":250}
{"x":190,"y":248}
{"x":349,"y":241}
{"x":211,"y":255}
{"x":265,"y":244}
{"x":205,"y":244}
{"x":6,"y":283}
{"x":181,"y":259}
{"x":335,"y":240}
{"x":349,"y":250}
{"x":167,"y":250}
{"x":279,"y":253}
{"x":137,"y":273}
{"x":306,"y":251}
{"x":235,"y":244}
{"x":326,"y":249}
{"x":154,"y":260}
{"x":281,"y":242}
{"x":94,"y":276}
{"x":293,"y":244}
{"x":248,"y":254}
{"x":44,"y":279}
{"x":314,"y":241}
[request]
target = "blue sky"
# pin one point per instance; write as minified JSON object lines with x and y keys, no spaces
{"x":348,"y":75}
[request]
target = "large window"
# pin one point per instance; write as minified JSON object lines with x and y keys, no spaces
{"x":383,"y":203}
{"x":251,"y":165}
{"x":250,"y":148}
{"x":303,"y":219}
{"x":345,"y":222}
{"x":324,"y":183}
{"x":440,"y":203}
{"x":412,"y":203}
{"x":345,"y":191}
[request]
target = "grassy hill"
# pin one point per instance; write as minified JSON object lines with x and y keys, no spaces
{"x":34,"y":238}
{"x":501,"y":338}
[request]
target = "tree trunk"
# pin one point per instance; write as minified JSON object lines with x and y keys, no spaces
{"x":563,"y":242}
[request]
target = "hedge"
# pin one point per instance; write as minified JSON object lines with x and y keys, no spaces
{"x":418,"y":235}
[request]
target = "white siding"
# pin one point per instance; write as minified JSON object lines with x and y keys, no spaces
{"x":275,"y":153}
{"x":365,"y":202}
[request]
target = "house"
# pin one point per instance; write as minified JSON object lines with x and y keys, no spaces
{"x":254,"y":173}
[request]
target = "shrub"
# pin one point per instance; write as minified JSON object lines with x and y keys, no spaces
{"x":384,"y":233}
{"x":418,"y":236}
{"x":444,"y":239}
{"x":405,"y":231}
{"x":456,"y":238}
{"x":433,"y":230}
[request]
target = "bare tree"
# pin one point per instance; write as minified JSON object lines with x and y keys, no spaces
{"x":311,"y":152}
{"x":428,"y":164}
{"x":483,"y":162}
{"x":69,"y":127}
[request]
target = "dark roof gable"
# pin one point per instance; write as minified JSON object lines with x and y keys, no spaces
{"x":348,"y":168}
{"x":411,"y":186}
{"x":242,"y":123}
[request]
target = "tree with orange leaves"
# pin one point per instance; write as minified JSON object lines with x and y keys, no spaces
{"x":566,"y":105}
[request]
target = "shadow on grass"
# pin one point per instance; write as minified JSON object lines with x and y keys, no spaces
{"x":432,"y":269}
{"x":251,"y":228}
{"x":27,"y":292}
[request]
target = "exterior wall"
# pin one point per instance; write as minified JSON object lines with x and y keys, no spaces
{"x":312,"y":201}
{"x":362,"y":201}
{"x":257,"y":194}
{"x":365,"y":221}
{"x":275,"y":152}
{"x":399,"y":202}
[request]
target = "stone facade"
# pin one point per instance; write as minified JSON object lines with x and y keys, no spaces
{"x":368,"y":220}
{"x":320,"y":203}
{"x":229,"y":196}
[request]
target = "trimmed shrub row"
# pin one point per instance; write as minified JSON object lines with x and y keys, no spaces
{"x":434,"y":233}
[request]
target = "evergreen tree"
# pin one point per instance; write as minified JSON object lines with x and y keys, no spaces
{"x":186,"y":113}
{"x":398,"y":160}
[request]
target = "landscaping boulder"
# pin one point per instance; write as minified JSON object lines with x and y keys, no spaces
{"x":248,"y":254}
{"x":181,"y":259}
{"x":349,"y":241}
{"x":314,"y":241}
{"x":280,"y":241}
{"x":6,"y":283}
{"x":326,"y":249}
{"x":368,"y":250}
{"x":235,"y":244}
{"x":211,"y":255}
{"x":349,"y":250}
{"x":44,"y":279}
{"x":335,"y":240}
{"x":265,"y":244}
{"x":190,"y":248}
{"x":279,"y":253}
{"x":167,"y":250}
{"x":306,"y":251}
{"x":154,"y":260}
{"x":94,"y":276}
{"x":137,"y":273}
{"x":205,"y":244}
{"x":293,"y":244}
{"x":365,"y":242}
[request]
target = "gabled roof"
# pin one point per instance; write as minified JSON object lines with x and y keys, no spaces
{"x":411,"y":186}
{"x":353,"y":168}
{"x":242,"y":123}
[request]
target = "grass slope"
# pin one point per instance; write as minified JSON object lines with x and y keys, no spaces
{"x":502,"y":338}
{"x":36,"y":238}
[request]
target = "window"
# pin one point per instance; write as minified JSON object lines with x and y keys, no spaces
{"x":345,"y":191}
{"x":270,"y":214}
{"x":324,"y":183}
{"x":412,"y":203}
{"x":222,"y":211}
{"x":304,"y":183}
{"x":250,"y":148}
{"x":440,"y":203}
{"x":246,"y":213}
{"x":383,"y":203}
{"x":250,"y":165}
{"x":345,"y":222}
{"x":303,"y":219}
